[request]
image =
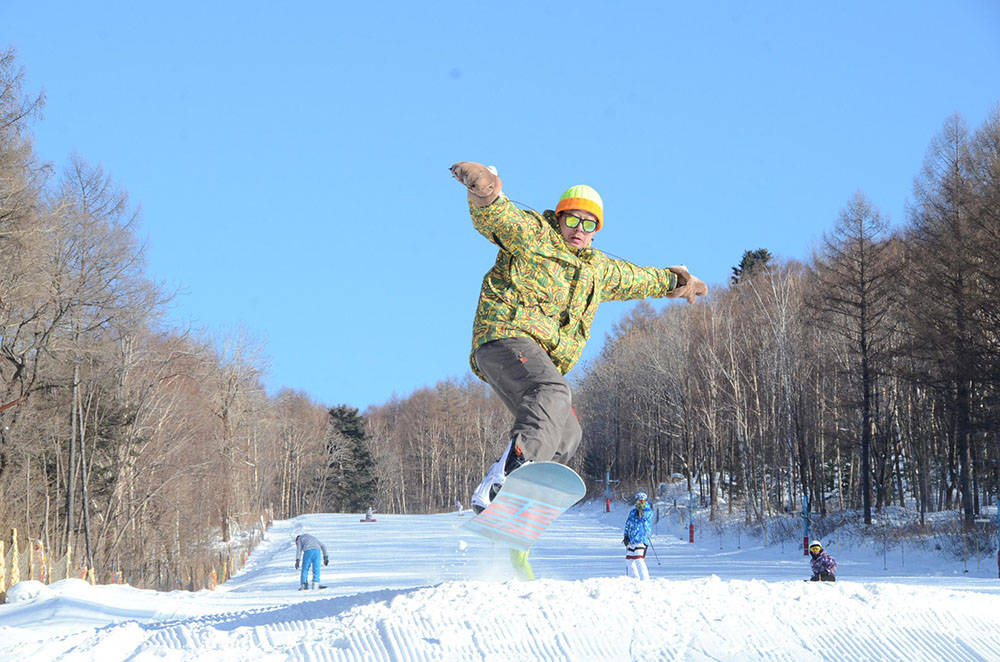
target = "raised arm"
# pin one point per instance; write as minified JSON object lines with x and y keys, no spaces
{"x":483,"y":182}
{"x":493,"y":215}
{"x":647,"y":520}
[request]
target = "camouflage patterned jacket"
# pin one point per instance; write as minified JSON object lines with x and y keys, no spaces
{"x":543,"y":288}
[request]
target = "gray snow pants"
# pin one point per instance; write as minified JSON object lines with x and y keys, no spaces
{"x":523,"y":375}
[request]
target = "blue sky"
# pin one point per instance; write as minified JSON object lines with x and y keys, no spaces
{"x":291,"y":159}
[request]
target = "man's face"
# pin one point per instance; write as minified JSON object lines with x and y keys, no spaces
{"x":576,"y":237}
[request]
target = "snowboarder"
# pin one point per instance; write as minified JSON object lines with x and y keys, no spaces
{"x":535,"y":310}
{"x":307,"y":552}
{"x":638,"y":527}
{"x":824,"y":568}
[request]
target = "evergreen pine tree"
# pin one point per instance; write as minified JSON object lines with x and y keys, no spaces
{"x":751,"y":260}
{"x":351,"y":477}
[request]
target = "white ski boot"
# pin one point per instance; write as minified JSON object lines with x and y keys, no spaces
{"x":483,"y":495}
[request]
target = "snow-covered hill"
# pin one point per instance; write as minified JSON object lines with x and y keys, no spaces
{"x":421,"y":588}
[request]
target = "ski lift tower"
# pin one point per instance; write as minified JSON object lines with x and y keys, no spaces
{"x":805,"y":525}
{"x":986,"y":521}
{"x":607,"y":490}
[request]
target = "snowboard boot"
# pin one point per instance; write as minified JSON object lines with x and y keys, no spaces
{"x":487,"y":490}
{"x":304,"y":586}
{"x":522,"y":566}
{"x":312,"y":586}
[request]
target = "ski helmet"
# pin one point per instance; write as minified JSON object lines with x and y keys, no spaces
{"x":640,"y":496}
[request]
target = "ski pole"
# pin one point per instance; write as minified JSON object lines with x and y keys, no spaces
{"x":654,"y":552}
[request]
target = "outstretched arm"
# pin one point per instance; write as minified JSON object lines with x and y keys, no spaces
{"x":483,"y":182}
{"x":493,"y":215}
{"x":623,"y":280}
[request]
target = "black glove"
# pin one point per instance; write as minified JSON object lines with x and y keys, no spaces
{"x":296,"y":564}
{"x":325,"y":560}
{"x":625,"y":540}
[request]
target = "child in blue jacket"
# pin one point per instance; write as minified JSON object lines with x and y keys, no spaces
{"x":638,"y":527}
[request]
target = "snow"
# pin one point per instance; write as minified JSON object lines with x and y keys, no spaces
{"x":27,"y":590}
{"x":419,"y":587}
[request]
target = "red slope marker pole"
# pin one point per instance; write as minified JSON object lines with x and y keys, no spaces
{"x":691,"y":516}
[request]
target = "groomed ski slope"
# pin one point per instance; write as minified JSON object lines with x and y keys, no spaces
{"x":420,"y":588}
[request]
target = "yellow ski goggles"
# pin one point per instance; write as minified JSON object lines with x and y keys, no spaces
{"x":573,"y":221}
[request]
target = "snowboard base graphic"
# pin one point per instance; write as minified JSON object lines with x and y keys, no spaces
{"x":532,"y":497}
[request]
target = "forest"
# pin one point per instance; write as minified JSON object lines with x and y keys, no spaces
{"x":134,"y":445}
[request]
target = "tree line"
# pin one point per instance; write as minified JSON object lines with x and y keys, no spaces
{"x":132,"y":443}
{"x":864,"y":377}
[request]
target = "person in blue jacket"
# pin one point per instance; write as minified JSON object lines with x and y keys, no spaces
{"x":307,"y":551}
{"x":638,"y":528}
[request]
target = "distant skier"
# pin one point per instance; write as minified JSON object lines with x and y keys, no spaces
{"x":824,"y":568}
{"x":638,"y":527}
{"x":535,"y":310}
{"x":307,"y":553}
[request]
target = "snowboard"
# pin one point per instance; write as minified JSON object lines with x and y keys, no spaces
{"x":531,"y":498}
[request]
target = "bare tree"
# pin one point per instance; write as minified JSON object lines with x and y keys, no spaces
{"x":943,"y":293}
{"x":853,"y":297}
